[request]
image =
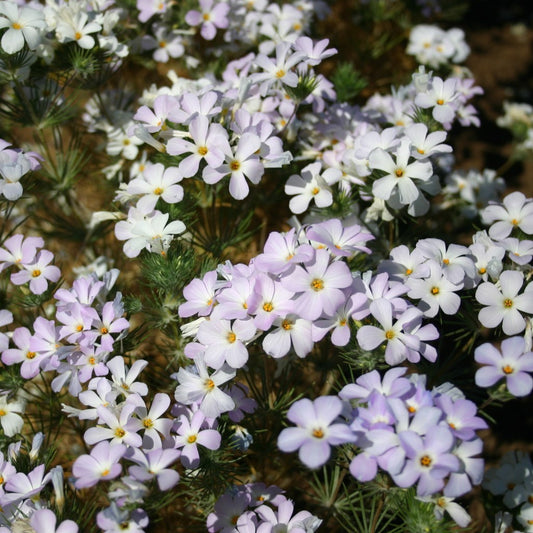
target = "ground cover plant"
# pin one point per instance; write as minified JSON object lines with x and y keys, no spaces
{"x":243,"y":285}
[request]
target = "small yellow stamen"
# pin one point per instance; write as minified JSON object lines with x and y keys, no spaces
{"x":267,"y":306}
{"x":390,"y":334}
{"x":421,"y":152}
{"x":508,"y":303}
{"x":280,"y":73}
{"x":104,"y":330}
{"x":79,"y":327}
{"x":105,"y":472}
{"x":440,"y":101}
{"x":2,"y":412}
{"x":425,"y":460}
{"x":317,"y":284}
{"x":206,"y":16}
{"x":36,"y":273}
{"x":446,"y":261}
{"x":482,"y":270}
{"x":408,"y":271}
{"x":191,"y":439}
{"x":318,"y":433}
{"x":286,"y":325}
{"x":158,"y":191}
{"x":147,"y":423}
{"x":411,"y":409}
{"x":78,"y":36}
{"x":119,"y":432}
{"x":507,"y":369}
{"x":91,"y":360}
{"x":398,"y":172}
{"x":514,"y":222}
{"x":30,"y":355}
{"x":202,"y":150}
{"x":162,"y":44}
{"x":235,"y":165}
{"x":209,"y":384}
{"x":435,"y":290}
{"x":315,"y":191}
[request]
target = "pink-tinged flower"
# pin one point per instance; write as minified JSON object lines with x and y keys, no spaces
{"x":319,"y":285}
{"x":25,"y":25}
{"x":167,"y":43}
{"x":212,"y":17}
{"x":504,"y":303}
{"x":399,"y":174}
{"x":6,"y":317}
{"x":38,"y":273}
{"x":224,"y":341}
{"x":102,"y":464}
{"x":115,"y":519}
{"x":391,"y":385}
{"x":209,"y":144}
{"x":282,"y":252}
{"x":233,"y":301}
{"x":77,"y":319}
{"x":243,"y":403}
{"x":316,"y":431}
{"x":22,"y":486}
{"x":18,"y":250}
{"x":516,"y":211}
{"x":512,"y":363}
{"x":268,"y":301}
{"x":440,"y":96}
{"x":340,"y":240}
{"x":111,"y":321}
{"x":404,"y":264}
{"x":44,"y":521}
{"x":148,"y":8}
{"x":154,"y":463}
{"x":196,"y":385}
{"x":200,"y":296}
{"x":163,"y":108}
{"x":242,"y":164}
{"x":192,"y":432}
{"x":429,"y":460}
{"x":289,"y":331}
{"x":22,"y":354}
{"x":315,"y":52}
{"x":311,"y":185}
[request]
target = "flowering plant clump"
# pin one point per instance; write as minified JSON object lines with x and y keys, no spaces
{"x":233,"y":296}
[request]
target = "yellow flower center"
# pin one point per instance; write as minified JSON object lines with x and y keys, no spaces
{"x":191,"y":439}
{"x":36,"y":273}
{"x":16,"y":26}
{"x":435,"y":290}
{"x":286,"y":325}
{"x":104,"y":330}
{"x":389,"y":334}
{"x":79,"y":327}
{"x":267,"y":306}
{"x":514,"y":222}
{"x":162,"y":44}
{"x":446,"y":261}
{"x":398,"y":172}
{"x":315,"y":191}
{"x":202,"y":150}
{"x":440,"y":101}
{"x":91,"y":360}
{"x":158,"y":191}
{"x":147,"y":423}
{"x":482,"y":270}
{"x":425,"y":460}
{"x":508,"y":303}
{"x":209,"y":384}
{"x":231,"y":337}
{"x":421,"y":152}
{"x":507,"y":369}
{"x":235,"y":165}
{"x":206,"y":16}
{"x":280,"y":73}
{"x":105,"y":472}
{"x":119,"y":432}
{"x":30,"y":355}
{"x":408,"y":271}
{"x":2,"y":412}
{"x":317,"y":284}
{"x":318,"y":433}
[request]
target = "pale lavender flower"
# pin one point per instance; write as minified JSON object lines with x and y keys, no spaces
{"x":503,"y":303}
{"x":190,"y":433}
{"x":19,"y":250}
{"x":6,"y":317}
{"x":167,"y":43}
{"x":153,"y":422}
{"x":316,"y":431}
{"x":230,"y":512}
{"x":124,"y":378}
{"x":290,"y":330}
{"x":429,"y":460}
{"x":45,"y":520}
{"x":319,"y":285}
{"x":440,"y":97}
{"x":154,"y":463}
{"x":148,"y":8}
{"x":114,"y":519}
{"x":22,"y":486}
{"x":460,"y":416}
{"x":512,"y":363}
{"x":38,"y":273}
{"x":102,"y":464}
{"x":283,"y":519}
{"x":392,"y":384}
{"x":31,"y":361}
{"x":200,"y":296}
{"x":212,"y":17}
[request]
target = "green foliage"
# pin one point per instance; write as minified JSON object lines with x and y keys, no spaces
{"x":348,"y":82}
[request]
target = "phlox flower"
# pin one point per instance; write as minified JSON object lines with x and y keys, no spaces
{"x":153,"y":422}
{"x":316,"y":431}
{"x":10,"y":420}
{"x":338,"y":323}
{"x":13,"y":166}
{"x":399,"y":174}
{"x":447,"y":505}
{"x":315,"y":53}
{"x":148,"y":8}
{"x":396,"y":335}
{"x":290,"y":330}
{"x":197,"y":385}
{"x":282,"y":519}
{"x":504,"y":304}
{"x":190,"y":433}
{"x":45,"y":521}
{"x":154,"y":463}
{"x":25,"y":25}
{"x":30,"y":360}
{"x":429,"y":460}
{"x":156,"y":182}
{"x":243,"y":163}
{"x":124,"y":378}
{"x":6,"y":317}
{"x":199,"y":295}
{"x":167,"y":43}
{"x":224,"y":342}
{"x":243,"y":403}
{"x":230,"y":512}
{"x":424,"y":145}
{"x":319,"y":285}
{"x":392,"y":384}
{"x":310,"y":185}
{"x":515,"y":211}
{"x":19,"y":250}
{"x":115,"y":519}
{"x":22,"y":486}
{"x":440,"y":97}
{"x":75,"y":26}
{"x":520,"y":252}
{"x":212,"y":17}
{"x":512,"y":363}
{"x":101,"y":464}
{"x":38,"y":273}
{"x":339,"y":239}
